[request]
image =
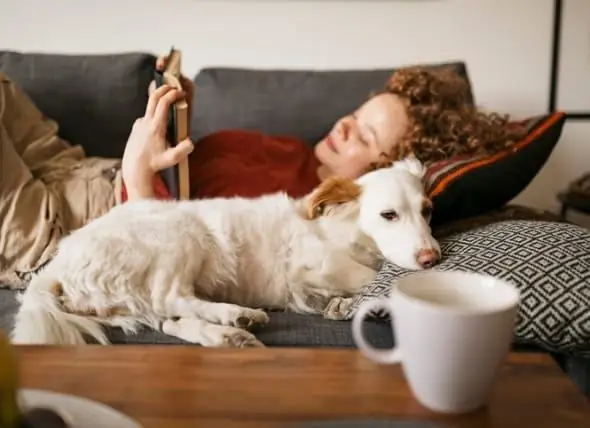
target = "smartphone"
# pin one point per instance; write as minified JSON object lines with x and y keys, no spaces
{"x":171,"y":128}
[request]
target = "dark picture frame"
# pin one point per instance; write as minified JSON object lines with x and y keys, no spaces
{"x":555,"y":58}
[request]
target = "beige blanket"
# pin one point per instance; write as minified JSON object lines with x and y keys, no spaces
{"x":48,"y":187}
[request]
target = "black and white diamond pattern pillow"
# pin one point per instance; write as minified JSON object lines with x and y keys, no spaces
{"x":548,"y":261}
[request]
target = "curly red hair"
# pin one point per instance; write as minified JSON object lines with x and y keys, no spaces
{"x":443,"y":121}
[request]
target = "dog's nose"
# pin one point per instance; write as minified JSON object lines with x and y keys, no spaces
{"x":427,"y":258}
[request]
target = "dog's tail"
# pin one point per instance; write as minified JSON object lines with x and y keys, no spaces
{"x":40,"y":319}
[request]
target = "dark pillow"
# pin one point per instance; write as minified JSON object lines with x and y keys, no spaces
{"x":548,"y":261}
{"x":465,"y":187}
{"x":94,"y":98}
{"x":303,"y":104}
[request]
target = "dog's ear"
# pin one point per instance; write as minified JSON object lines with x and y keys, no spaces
{"x":413,"y":165}
{"x":383,"y":162}
{"x":331,"y":192}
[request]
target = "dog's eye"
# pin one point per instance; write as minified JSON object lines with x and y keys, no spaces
{"x":389,"y":215}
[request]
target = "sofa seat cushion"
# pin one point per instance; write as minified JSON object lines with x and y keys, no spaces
{"x":284,"y":329}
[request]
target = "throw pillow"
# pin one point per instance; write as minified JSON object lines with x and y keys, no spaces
{"x":464,"y":187}
{"x":548,"y":261}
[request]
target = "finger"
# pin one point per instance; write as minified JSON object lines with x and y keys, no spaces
{"x":174,"y":155}
{"x":152,"y":87}
{"x":161,"y":62}
{"x":154,"y":99}
{"x":185,"y":147}
{"x":164,"y":103}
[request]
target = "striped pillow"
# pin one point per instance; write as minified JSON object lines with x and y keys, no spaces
{"x":467,"y":186}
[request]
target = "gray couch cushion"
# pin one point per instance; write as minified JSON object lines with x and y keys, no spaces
{"x":94,"y":98}
{"x":284,"y":329}
{"x":299,"y":103}
{"x":8,"y":307}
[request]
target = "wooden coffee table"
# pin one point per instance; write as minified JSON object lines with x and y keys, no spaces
{"x":178,"y":386}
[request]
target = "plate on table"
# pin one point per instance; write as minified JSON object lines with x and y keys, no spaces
{"x":79,"y":412}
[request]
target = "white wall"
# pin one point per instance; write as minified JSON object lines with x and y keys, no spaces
{"x":506,"y":44}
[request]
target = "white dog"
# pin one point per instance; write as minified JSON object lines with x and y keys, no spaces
{"x":199,"y":266}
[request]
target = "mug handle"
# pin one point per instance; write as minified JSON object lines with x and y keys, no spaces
{"x":383,"y":356}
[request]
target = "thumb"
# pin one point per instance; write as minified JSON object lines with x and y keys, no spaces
{"x":174,"y":155}
{"x":186,"y":146}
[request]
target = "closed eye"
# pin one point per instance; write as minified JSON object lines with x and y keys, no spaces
{"x":389,"y":215}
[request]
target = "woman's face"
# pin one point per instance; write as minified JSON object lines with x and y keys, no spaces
{"x":358,"y":140}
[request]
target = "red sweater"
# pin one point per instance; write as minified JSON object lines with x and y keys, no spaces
{"x":248,"y":164}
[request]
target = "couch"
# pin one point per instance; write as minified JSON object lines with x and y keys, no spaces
{"x":95,"y":99}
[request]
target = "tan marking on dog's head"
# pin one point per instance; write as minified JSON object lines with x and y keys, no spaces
{"x":332,"y":191}
{"x":56,"y":289}
{"x":427,"y":207}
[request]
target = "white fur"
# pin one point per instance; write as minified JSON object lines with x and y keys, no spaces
{"x":210,"y":261}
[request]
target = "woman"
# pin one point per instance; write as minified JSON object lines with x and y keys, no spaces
{"x":48,"y":187}
{"x":420,"y":111}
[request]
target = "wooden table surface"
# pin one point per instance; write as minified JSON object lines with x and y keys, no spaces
{"x":178,"y":386}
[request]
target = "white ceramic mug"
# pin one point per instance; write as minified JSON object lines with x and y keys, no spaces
{"x":452,"y":330}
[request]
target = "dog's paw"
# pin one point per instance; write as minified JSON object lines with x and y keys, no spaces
{"x":239,"y":338}
{"x":206,"y":334}
{"x":337,"y":308}
{"x":248,"y":318}
{"x":235,"y":316}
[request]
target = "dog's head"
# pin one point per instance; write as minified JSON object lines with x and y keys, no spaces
{"x":390,"y":207}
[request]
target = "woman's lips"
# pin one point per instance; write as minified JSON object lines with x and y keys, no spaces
{"x":330,"y":144}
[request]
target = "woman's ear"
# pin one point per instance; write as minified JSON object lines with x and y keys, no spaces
{"x":331,"y":192}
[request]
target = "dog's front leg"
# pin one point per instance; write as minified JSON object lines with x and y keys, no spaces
{"x":345,"y":275}
{"x":318,"y":301}
{"x":176,"y":298}
{"x":204,"y":333}
{"x":338,"y":307}
{"x":225,"y":314}
{"x":329,"y":288}
{"x":338,"y":272}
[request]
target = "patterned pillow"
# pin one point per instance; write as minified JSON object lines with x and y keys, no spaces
{"x":548,"y":261}
{"x":468,"y":186}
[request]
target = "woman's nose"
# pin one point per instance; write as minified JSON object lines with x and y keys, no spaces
{"x":348,"y":130}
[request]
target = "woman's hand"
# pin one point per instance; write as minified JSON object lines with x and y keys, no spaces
{"x":147,"y":150}
{"x":187,"y":85}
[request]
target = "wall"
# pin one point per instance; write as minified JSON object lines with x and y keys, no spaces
{"x":506,"y":44}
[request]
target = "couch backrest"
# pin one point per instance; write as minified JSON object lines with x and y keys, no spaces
{"x":94,"y":98}
{"x":299,"y":103}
